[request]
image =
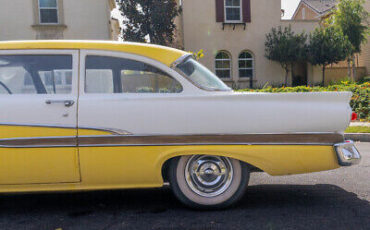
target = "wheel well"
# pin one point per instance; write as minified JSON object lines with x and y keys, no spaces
{"x":165,"y":168}
{"x":167,"y":163}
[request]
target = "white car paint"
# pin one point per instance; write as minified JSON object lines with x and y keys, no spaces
{"x":196,"y":111}
{"x":32,"y":109}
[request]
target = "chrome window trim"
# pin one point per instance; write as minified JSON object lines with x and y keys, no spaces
{"x":180,"y":60}
{"x":184,"y":58}
{"x":74,"y":53}
{"x":186,"y":86}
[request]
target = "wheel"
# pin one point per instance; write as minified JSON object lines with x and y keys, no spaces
{"x":208,"y":182}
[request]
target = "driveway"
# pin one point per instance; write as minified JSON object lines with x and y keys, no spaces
{"x":338,"y":199}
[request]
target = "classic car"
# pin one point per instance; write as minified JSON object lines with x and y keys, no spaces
{"x":89,"y":115}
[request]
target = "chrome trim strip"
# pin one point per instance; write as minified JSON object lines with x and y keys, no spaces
{"x":172,"y":140}
{"x":200,"y":144}
{"x":111,"y":130}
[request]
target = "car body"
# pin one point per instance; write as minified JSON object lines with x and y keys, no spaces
{"x":89,"y":115}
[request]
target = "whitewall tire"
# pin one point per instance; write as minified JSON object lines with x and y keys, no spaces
{"x":203,"y":181}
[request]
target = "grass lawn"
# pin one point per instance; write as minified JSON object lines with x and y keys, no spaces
{"x":358,"y":129}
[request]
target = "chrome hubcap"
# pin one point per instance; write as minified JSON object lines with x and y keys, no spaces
{"x":208,"y":176}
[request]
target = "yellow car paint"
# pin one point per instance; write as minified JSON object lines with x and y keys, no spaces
{"x":38,"y":166}
{"x":162,"y":54}
{"x":12,"y":131}
{"x":92,"y":132}
{"x":19,"y":131}
{"x":141,"y":166}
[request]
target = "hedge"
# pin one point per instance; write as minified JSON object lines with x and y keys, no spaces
{"x":359,"y":101}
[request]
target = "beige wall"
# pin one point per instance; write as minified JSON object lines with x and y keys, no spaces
{"x":308,"y":15}
{"x":16,"y":20}
{"x":82,"y":19}
{"x":202,"y":32}
{"x":340,"y":73}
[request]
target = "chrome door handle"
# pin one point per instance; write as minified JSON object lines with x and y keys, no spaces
{"x":67,"y":103}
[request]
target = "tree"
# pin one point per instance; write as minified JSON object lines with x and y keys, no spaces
{"x":328,"y":45}
{"x":285,"y":47}
{"x":149,"y":21}
{"x":351,"y":17}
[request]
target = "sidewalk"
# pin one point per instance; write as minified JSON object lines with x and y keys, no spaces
{"x":363,"y":137}
{"x":358,"y":123}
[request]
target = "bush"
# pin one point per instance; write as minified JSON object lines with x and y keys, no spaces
{"x":365,"y":79}
{"x":359,"y":101}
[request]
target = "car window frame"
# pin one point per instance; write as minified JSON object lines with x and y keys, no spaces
{"x":187,"y":87}
{"x":74,"y":53}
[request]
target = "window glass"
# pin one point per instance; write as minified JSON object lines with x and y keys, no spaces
{"x":201,"y":76}
{"x":48,"y":11}
{"x":48,"y":3}
{"x":119,"y":75}
{"x":246,"y":65}
{"x":223,"y":65}
{"x":232,"y":10}
{"x":32,"y":74}
{"x":99,"y":81}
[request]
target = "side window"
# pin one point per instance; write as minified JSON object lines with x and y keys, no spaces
{"x":35,"y":74}
{"x":118,"y":75}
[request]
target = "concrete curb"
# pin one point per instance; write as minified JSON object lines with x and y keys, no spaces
{"x":363,"y":137}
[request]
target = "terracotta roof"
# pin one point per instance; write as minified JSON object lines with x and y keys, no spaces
{"x":320,"y":6}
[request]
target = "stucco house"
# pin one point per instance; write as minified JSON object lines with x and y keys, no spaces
{"x":57,"y":19}
{"x":232,"y":35}
{"x":316,"y":10}
{"x":313,"y":9}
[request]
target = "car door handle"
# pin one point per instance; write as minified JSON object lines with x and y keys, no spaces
{"x":67,"y":103}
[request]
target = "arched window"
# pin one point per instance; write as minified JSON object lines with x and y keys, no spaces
{"x":223,"y":65}
{"x":246,"y":65}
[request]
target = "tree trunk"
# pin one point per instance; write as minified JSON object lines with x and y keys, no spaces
{"x":323,"y":75}
{"x":354,"y":70}
{"x":349,"y":75}
{"x":286,"y":76}
{"x":292,"y":72}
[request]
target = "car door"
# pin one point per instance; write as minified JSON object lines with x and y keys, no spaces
{"x":122,"y":94}
{"x":38,"y":117}
{"x":117,"y":89}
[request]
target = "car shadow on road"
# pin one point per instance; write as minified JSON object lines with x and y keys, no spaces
{"x":263,"y":207}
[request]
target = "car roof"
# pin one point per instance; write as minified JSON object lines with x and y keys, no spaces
{"x":165,"y":55}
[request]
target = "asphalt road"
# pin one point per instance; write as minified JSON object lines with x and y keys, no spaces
{"x":338,"y":199}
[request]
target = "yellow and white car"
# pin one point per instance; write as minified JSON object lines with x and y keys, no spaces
{"x":85,"y":115}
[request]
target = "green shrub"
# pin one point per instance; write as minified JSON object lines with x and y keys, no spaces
{"x":359,"y":101}
{"x":365,"y":79}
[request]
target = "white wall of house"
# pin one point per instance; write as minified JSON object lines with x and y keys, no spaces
{"x":78,"y":19}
